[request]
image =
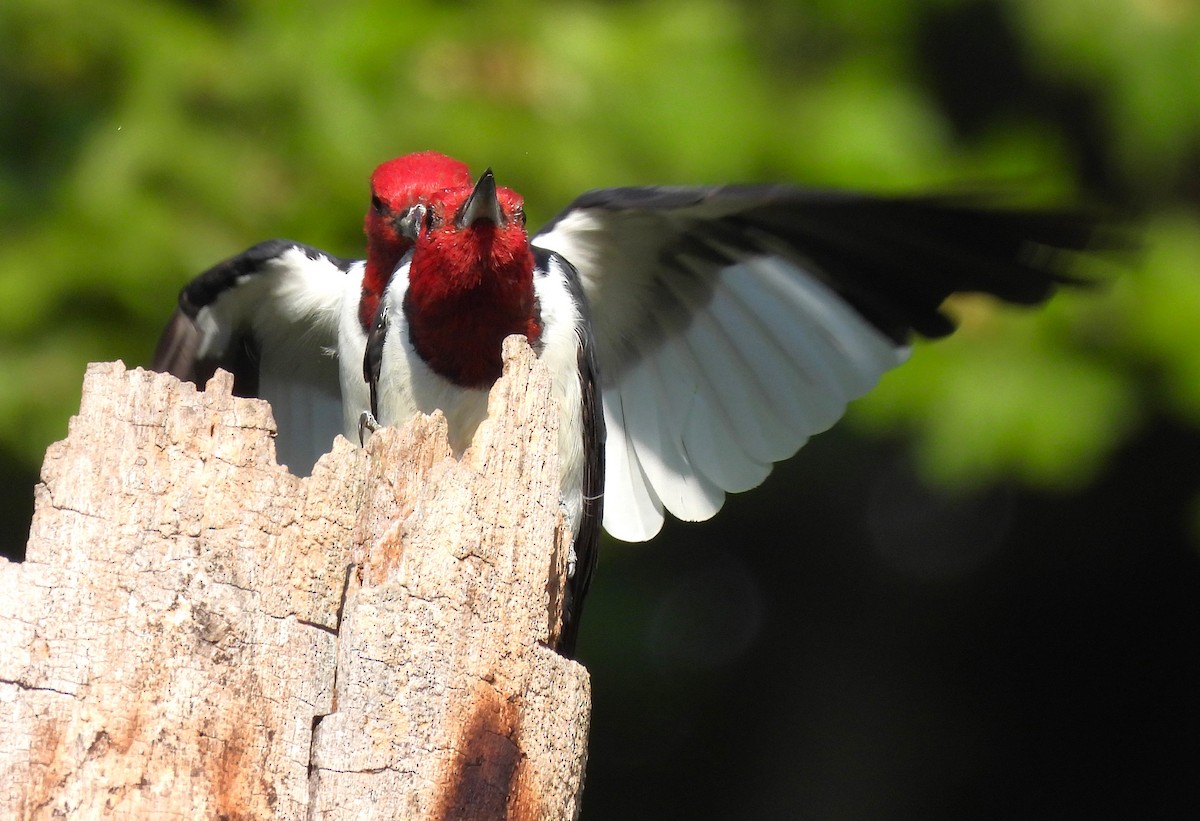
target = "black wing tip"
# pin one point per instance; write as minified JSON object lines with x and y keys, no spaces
{"x":1062,"y":244}
{"x":175,"y":352}
{"x":1081,"y":248}
{"x":942,"y":245}
{"x":180,"y":342}
{"x":208,"y":286}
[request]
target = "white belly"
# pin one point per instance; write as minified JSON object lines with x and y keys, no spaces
{"x":408,"y":386}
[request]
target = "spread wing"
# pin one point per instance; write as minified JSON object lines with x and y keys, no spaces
{"x":733,"y":323}
{"x":270,"y":316}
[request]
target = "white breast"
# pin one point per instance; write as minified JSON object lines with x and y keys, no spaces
{"x":408,"y":386}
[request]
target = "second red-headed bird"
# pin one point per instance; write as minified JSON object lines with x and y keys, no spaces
{"x":696,"y":335}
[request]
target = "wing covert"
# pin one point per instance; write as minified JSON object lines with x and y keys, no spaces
{"x":268,"y":315}
{"x":733,"y":323}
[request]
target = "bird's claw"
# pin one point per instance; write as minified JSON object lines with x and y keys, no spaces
{"x":366,"y":422}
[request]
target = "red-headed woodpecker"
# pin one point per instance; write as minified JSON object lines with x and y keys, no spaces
{"x":285,"y":318}
{"x":708,"y":331}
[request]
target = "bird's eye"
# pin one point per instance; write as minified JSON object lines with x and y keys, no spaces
{"x":519,"y":216}
{"x":431,"y":220}
{"x":377,"y":204}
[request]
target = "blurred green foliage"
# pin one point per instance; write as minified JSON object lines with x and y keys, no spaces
{"x":141,"y":142}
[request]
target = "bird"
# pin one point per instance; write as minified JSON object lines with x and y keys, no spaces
{"x":277,"y":315}
{"x":695,"y":335}
{"x":472,"y":279}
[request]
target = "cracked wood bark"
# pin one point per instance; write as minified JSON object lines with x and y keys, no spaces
{"x":197,"y":632}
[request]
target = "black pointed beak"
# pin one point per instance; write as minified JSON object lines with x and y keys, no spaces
{"x":482,"y":204}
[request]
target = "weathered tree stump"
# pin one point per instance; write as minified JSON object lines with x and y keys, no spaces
{"x":198,"y":632}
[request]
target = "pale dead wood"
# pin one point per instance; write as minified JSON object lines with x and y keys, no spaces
{"x":199,"y":633}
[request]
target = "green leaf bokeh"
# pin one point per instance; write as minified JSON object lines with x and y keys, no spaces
{"x":142,"y":141}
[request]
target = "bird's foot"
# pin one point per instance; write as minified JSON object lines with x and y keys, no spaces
{"x":366,"y":423}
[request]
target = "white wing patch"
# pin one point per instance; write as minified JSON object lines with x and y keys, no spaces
{"x":631,"y":507}
{"x":307,"y":413}
{"x":291,"y":308}
{"x":773,"y":358}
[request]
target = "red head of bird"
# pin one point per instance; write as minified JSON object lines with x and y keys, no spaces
{"x":396,"y":186}
{"x":470,"y":283}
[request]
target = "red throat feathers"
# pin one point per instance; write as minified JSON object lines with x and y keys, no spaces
{"x":470,"y":283}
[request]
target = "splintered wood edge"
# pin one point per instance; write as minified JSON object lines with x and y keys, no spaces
{"x":180,"y":628}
